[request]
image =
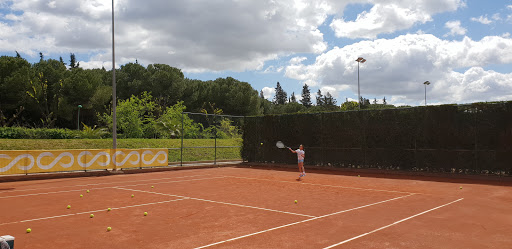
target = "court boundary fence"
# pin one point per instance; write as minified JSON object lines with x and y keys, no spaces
{"x":468,"y":139}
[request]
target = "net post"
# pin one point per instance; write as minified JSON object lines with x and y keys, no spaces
{"x":182,"y":135}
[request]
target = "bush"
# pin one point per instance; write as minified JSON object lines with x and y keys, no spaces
{"x":39,"y":133}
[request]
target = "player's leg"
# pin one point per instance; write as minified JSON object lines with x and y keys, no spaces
{"x":301,"y":167}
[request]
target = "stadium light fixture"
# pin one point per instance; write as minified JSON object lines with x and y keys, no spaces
{"x":426,"y":83}
{"x":359,"y":61}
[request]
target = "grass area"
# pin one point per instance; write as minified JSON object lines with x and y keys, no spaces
{"x":174,"y":155}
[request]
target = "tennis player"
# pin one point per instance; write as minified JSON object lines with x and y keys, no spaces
{"x":300,"y":157}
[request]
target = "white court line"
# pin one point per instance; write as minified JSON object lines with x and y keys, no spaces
{"x":218,"y":202}
{"x":88,"y":212}
{"x":93,"y":184}
{"x":392,"y":224}
{"x":299,"y":222}
{"x":323,"y":185}
{"x":74,"y":190}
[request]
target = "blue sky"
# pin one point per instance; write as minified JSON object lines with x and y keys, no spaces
{"x":463,"y":47}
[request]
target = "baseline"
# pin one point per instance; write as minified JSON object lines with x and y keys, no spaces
{"x":324,"y":185}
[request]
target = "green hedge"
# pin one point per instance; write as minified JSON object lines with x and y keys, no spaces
{"x":38,"y":133}
{"x":474,"y":138}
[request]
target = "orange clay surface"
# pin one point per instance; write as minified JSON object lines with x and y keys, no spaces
{"x":235,"y":207}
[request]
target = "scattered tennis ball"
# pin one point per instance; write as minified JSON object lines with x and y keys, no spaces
{"x":296,"y":201}
{"x":460,"y":187}
{"x":133,"y":196}
{"x":145,"y":213}
{"x":109,"y":228}
{"x":29,"y":230}
{"x":92,"y":215}
{"x":81,"y":196}
{"x":261,"y":143}
{"x":152,"y":186}
{"x":109,"y":209}
{"x":69,"y":206}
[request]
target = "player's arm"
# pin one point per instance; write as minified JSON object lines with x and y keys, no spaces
{"x":292,"y":150}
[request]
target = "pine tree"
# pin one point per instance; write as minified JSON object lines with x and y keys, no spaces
{"x":306,"y":96}
{"x":18,"y":55}
{"x":261,"y":94}
{"x":72,"y":61}
{"x":384,"y":101}
{"x":319,"y":98}
{"x":281,"y":96}
{"x":41,"y":56}
{"x":328,"y":100}
{"x":292,"y":98}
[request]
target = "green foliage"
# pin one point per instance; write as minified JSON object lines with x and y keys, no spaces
{"x":306,"y":96}
{"x":281,"y":96}
{"x":92,"y":132}
{"x":349,"y":106}
{"x":39,"y":133}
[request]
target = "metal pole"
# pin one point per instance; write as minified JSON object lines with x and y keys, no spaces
{"x":78,"y":123}
{"x":182,"y":135}
{"x":114,"y":97}
{"x":215,"y":126}
{"x":358,"y":89}
{"x":425,"y":94}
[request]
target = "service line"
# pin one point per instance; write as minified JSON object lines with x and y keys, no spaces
{"x":392,"y":224}
{"x":299,"y":222}
{"x":218,"y":202}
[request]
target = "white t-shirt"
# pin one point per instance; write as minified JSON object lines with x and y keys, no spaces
{"x":300,"y":154}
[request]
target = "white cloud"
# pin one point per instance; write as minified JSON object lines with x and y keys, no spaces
{"x":481,"y":19}
{"x":509,"y":7}
{"x":455,"y":28}
{"x":398,"y":67}
{"x":268,"y":92}
{"x":386,"y":17}
{"x":202,"y":35}
{"x":496,"y":17}
{"x":505,"y":35}
{"x":273,"y":69}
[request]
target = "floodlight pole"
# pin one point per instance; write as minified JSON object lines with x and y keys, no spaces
{"x":114,"y":97}
{"x":426,"y":83}
{"x":359,"y":61}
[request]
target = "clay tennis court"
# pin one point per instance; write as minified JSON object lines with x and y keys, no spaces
{"x":241,"y":207}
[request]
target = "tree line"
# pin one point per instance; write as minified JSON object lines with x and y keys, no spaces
{"x":50,"y":93}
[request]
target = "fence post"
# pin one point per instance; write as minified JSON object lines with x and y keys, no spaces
{"x":182,"y":135}
{"x":215,"y":136}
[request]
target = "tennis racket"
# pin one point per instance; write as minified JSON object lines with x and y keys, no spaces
{"x":280,"y":145}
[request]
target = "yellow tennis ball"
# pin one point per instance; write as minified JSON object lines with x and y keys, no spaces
{"x":152,"y":186}
{"x":92,"y":215}
{"x":296,"y":201}
{"x":81,"y":196}
{"x":261,"y":143}
{"x":87,"y":191}
{"x":460,"y":187}
{"x":69,"y":206}
{"x":145,"y":213}
{"x":109,"y":228}
{"x":133,"y":196}
{"x":29,"y":230}
{"x":109,"y":209}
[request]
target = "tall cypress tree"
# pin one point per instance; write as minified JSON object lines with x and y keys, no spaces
{"x":292,"y":98}
{"x":306,"y":96}
{"x":281,"y":96}
{"x":319,"y":98}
